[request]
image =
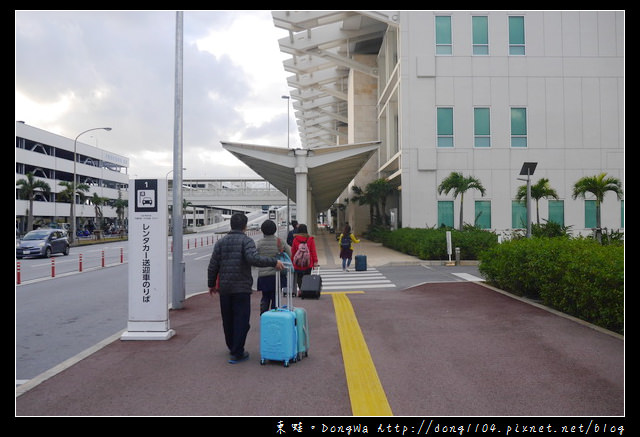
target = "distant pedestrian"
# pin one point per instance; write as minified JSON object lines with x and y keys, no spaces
{"x":305,"y":256}
{"x":346,"y":240}
{"x":229,"y":274}
{"x":270,"y":245}
{"x":292,"y":232}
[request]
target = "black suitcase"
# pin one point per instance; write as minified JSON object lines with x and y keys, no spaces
{"x":311,"y":285}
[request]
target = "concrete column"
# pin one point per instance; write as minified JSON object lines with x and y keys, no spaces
{"x":363,"y":126}
{"x":302,"y":186}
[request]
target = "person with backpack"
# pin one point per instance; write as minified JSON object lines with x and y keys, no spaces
{"x":269,"y":246}
{"x":304,"y":254}
{"x":346,"y":240}
{"x":292,"y":232}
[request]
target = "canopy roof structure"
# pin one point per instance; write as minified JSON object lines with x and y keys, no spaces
{"x":323,"y":45}
{"x":329,"y":169}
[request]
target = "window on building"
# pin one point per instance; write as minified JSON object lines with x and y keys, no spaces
{"x":445,"y":213}
{"x":516,"y":35}
{"x":481,"y":127}
{"x":518,"y":214}
{"x":483,"y":214}
{"x":590,"y":214}
{"x":443,"y":35}
{"x":518,"y":127}
{"x":445,"y":127}
{"x":556,"y":211}
{"x":480,"y":35}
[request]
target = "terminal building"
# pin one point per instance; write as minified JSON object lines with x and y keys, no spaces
{"x":49,"y":157}
{"x":479,"y":93}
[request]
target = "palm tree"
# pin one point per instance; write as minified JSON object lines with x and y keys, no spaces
{"x":380,"y":189}
{"x":598,"y":186}
{"x":29,"y":188}
{"x":364,"y":197}
{"x":67,"y":195}
{"x":98,"y":201}
{"x":459,"y":184}
{"x":540,"y":190}
{"x":120,"y":204}
{"x":375,"y":195}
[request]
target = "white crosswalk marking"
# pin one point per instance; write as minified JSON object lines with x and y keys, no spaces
{"x":336,"y":279}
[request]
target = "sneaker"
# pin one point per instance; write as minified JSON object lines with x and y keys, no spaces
{"x":236,"y":360}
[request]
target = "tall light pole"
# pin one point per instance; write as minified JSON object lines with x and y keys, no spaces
{"x":287,"y":99}
{"x":73,"y":194}
{"x":288,"y":135}
{"x":177,"y":264}
{"x":527,"y":170}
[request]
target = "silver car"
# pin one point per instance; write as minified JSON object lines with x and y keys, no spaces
{"x":43,"y":242}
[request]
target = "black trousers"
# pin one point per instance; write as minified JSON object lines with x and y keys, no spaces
{"x":236,"y":311}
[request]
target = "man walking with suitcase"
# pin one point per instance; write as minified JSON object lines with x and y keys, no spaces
{"x":229,"y":274}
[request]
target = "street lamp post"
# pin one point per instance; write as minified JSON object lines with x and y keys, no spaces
{"x":73,"y":193}
{"x":288,"y":135}
{"x":527,"y":170}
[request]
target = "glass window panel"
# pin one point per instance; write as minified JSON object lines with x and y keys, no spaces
{"x":481,"y":122}
{"x":480,"y":30}
{"x":516,"y":30}
{"x":445,"y":121}
{"x":443,"y":35}
{"x":445,"y":213}
{"x":518,"y":121}
{"x":445,"y":127}
{"x":445,"y":141}
{"x":589,"y":214}
{"x":556,"y":211}
{"x":516,"y":36}
{"x":443,"y":30}
{"x":483,"y":214}
{"x":518,"y":214}
{"x":482,"y":142}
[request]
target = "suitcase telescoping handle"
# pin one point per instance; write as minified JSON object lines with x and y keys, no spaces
{"x":288,"y":269}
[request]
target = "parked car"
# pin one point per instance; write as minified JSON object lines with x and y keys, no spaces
{"x":43,"y":242}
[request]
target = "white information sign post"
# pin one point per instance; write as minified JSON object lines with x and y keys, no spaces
{"x":148,"y":273}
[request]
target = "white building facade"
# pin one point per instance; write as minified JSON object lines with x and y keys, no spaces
{"x":479,"y":93}
{"x":49,"y":157}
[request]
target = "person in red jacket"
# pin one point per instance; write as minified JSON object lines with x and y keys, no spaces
{"x":303,"y":262}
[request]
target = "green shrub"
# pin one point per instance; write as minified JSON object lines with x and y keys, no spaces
{"x":579,"y":277}
{"x":431,"y":243}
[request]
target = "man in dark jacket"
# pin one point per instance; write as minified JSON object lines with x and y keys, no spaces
{"x":231,"y":261}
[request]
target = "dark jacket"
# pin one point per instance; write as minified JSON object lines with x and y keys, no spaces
{"x":232,"y":258}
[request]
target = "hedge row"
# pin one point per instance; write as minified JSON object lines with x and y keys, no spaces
{"x":578,"y":277}
{"x":432,"y":243}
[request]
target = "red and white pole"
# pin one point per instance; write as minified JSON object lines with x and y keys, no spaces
{"x":18,"y":273}
{"x":79,"y":262}
{"x":53,"y":267}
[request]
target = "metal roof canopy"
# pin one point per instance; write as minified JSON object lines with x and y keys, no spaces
{"x":330,"y":169}
{"x":322,"y":45}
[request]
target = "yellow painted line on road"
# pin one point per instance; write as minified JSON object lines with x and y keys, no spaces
{"x":365,"y":390}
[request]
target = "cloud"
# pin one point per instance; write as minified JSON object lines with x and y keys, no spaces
{"x":79,"y":70}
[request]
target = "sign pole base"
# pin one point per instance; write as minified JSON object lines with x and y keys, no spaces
{"x":141,"y":335}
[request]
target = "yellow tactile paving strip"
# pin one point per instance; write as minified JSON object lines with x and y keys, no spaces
{"x":365,"y":390}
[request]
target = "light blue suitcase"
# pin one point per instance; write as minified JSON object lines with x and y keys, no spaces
{"x":302,"y":325}
{"x":278,"y":332}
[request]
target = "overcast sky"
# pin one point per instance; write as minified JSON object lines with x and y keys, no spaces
{"x":80,"y":70}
